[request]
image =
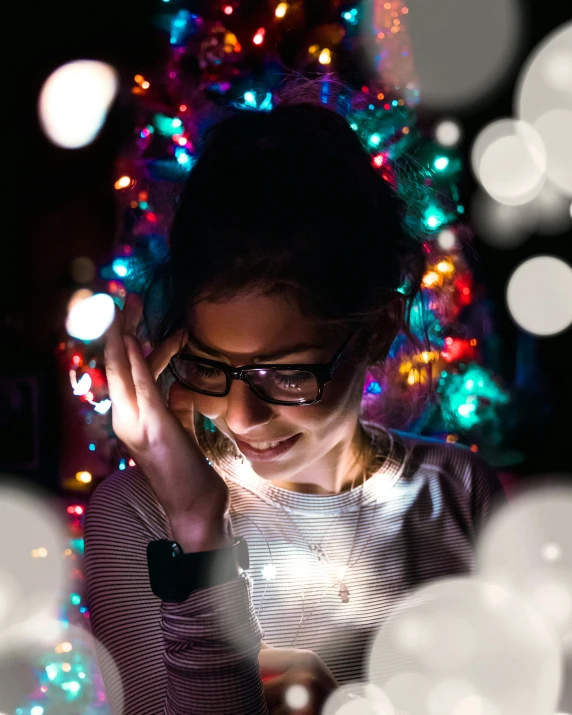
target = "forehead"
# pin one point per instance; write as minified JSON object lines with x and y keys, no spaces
{"x":254,"y":324}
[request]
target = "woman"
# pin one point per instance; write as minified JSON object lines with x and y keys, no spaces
{"x":289,"y":257}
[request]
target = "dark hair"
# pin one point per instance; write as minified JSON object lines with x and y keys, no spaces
{"x":288,"y":201}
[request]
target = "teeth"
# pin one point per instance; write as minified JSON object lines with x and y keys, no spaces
{"x":263,"y":445}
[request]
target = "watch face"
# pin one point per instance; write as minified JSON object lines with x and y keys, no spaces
{"x":163,"y":570}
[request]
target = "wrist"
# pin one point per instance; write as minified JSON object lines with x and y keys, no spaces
{"x":195,"y":536}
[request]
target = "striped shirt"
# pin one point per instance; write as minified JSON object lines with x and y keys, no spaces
{"x":325,"y":572}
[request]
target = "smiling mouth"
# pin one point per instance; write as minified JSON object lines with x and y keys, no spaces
{"x":265,"y":445}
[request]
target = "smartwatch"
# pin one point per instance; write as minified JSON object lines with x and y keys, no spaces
{"x":174,"y":575}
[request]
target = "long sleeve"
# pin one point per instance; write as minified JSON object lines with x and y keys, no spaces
{"x":159,"y":658}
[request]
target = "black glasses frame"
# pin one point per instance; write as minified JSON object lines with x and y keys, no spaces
{"x":321,"y":371}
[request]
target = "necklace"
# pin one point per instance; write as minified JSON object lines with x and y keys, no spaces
{"x":318,"y":548}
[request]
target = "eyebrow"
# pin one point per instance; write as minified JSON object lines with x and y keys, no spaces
{"x":292,"y":350}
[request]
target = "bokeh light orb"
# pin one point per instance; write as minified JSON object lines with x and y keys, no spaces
{"x":498,"y":224}
{"x":74,"y":102}
{"x":448,"y":132}
{"x":32,"y":567}
{"x":462,"y":643}
{"x":88,"y":319}
{"x":67,"y":655}
{"x":539,"y":295}
{"x":358,"y":698}
{"x":527,"y":547}
{"x":508,"y":158}
{"x":449,"y":39}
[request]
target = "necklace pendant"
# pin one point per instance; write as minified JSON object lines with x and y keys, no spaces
{"x":344,"y":592}
{"x":319,"y":552}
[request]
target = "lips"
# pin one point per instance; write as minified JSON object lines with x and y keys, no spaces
{"x":268,"y":453}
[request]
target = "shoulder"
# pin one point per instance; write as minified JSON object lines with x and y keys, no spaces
{"x":463,"y":470}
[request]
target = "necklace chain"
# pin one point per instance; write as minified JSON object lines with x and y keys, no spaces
{"x":317,"y":548}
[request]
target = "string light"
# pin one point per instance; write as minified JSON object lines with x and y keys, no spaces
{"x":258,"y":38}
{"x":123,"y":182}
{"x":281,"y":9}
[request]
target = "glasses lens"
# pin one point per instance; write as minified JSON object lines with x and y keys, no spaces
{"x":199,"y":375}
{"x":285,"y":385}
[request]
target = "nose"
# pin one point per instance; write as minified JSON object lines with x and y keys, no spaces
{"x":245,"y":411}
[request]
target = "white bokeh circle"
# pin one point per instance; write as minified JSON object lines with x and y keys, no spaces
{"x":420,"y":673}
{"x":448,"y":41}
{"x":35,"y":646}
{"x":88,"y":319}
{"x":358,"y":698}
{"x":74,"y":101}
{"x":508,"y":158}
{"x":448,"y":132}
{"x":500,"y":225}
{"x":545,"y":79}
{"x":539,"y":295}
{"x":527,"y":547}
{"x":555,"y":129}
{"x":297,"y":696}
{"x":32,"y":568}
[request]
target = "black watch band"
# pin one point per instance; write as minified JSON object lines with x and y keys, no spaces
{"x":174,"y":575}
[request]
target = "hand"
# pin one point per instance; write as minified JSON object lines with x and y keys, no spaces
{"x":282,"y":667}
{"x":195,"y":498}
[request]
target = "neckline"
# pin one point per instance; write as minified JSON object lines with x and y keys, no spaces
{"x":375,"y":489}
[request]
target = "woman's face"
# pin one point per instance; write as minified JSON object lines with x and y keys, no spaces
{"x":251,"y":325}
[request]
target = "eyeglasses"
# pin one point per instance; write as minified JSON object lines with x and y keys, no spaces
{"x":278,"y":384}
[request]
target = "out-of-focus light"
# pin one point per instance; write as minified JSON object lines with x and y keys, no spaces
{"x":120,"y":268}
{"x":83,"y":385}
{"x":145,"y":84}
{"x":83,"y":477}
{"x":258,"y":38}
{"x":539,"y":295}
{"x":269,"y":572}
{"x":227,"y":9}
{"x":122,"y":183}
{"x":281,"y":9}
{"x":446,"y":239}
{"x":90,"y":318}
{"x":448,"y":132}
{"x":325,"y":57}
{"x":74,"y":101}
{"x":103,"y":407}
{"x":441,"y":163}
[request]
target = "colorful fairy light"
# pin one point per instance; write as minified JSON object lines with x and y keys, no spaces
{"x":281,"y":9}
{"x":258,"y":38}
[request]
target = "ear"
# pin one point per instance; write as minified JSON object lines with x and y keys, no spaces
{"x":389,"y":323}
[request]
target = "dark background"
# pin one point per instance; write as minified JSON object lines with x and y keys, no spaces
{"x":65,"y":208}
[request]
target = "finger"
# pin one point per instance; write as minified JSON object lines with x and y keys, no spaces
{"x":148,"y":397}
{"x":161,"y":356}
{"x":132,"y":312}
{"x":117,"y":367}
{"x":274,"y":690}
